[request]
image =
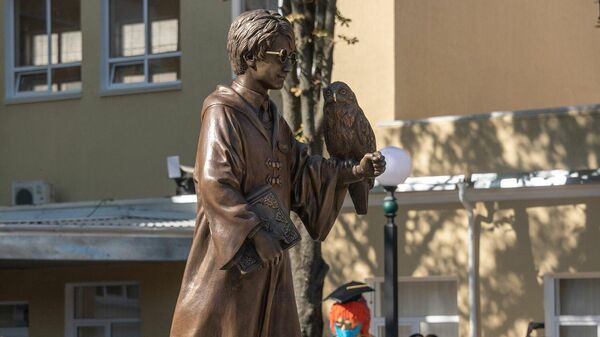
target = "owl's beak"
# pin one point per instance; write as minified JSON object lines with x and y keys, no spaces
{"x":334,"y":98}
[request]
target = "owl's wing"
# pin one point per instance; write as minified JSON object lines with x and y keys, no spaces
{"x":364,"y":132}
{"x":331,"y":132}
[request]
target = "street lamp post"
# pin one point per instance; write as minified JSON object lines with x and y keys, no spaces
{"x":398,"y":166}
{"x":390,"y":262}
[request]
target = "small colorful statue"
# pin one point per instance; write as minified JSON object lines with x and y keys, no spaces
{"x":350,"y":315}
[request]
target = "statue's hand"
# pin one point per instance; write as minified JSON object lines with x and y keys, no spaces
{"x":370,"y":166}
{"x":268,"y":247}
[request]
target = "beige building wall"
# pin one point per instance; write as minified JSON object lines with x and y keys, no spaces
{"x":474,"y":56}
{"x":369,"y":65}
{"x":418,"y":59}
{"x":44,"y":290}
{"x":96,"y":146}
{"x":520,"y":242}
{"x":524,"y":141}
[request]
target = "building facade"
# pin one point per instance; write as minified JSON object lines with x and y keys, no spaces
{"x":96,"y":95}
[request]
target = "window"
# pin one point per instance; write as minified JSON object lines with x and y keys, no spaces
{"x":425,"y":305}
{"x":44,"y":49}
{"x":106,"y":310}
{"x":572,"y":305}
{"x":14,"y":319}
{"x":142,"y":44}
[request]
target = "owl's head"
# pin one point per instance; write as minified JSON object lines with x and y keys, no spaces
{"x":339,"y":92}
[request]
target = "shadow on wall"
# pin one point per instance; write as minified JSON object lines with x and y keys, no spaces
{"x":563,"y":138}
{"x":519,"y":243}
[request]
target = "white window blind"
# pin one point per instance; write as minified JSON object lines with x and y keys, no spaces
{"x":572,"y":305}
{"x":425,"y":305}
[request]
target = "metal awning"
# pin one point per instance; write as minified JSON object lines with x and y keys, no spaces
{"x":126,"y":230}
{"x":523,"y":186}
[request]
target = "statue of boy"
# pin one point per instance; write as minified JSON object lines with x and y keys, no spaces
{"x":244,"y":144}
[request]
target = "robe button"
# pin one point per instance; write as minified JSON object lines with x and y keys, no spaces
{"x":273,"y":164}
{"x":274,"y":180}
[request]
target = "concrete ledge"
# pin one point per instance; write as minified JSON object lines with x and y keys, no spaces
{"x":93,"y":248}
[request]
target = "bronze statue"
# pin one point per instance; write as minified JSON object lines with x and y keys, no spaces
{"x":348,"y":135}
{"x":245,"y":144}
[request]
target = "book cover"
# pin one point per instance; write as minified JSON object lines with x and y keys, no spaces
{"x":275,"y":220}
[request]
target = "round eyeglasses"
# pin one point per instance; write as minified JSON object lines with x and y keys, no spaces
{"x":284,"y":56}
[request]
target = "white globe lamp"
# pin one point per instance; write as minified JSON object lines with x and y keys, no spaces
{"x":397,"y":166}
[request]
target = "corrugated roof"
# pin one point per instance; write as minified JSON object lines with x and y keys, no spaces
{"x":159,"y":214}
{"x":103,"y":222}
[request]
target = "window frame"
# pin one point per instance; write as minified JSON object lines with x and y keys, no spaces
{"x":552,"y":298}
{"x":11,"y":95}
{"x":413,"y":322}
{"x":16,"y":303}
{"x":107,"y":88}
{"x":72,"y":323}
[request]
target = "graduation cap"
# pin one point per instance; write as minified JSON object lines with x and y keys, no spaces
{"x":348,"y":292}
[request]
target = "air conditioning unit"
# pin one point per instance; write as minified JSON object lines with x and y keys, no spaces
{"x":31,"y":193}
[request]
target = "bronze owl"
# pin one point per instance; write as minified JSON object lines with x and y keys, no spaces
{"x":348,"y":135}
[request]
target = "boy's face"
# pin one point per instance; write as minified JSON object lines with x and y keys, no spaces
{"x":271,"y":72}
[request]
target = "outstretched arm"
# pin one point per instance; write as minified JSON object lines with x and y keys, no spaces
{"x":318,"y":189}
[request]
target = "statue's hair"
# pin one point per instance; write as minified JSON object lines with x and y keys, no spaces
{"x":253,"y":32}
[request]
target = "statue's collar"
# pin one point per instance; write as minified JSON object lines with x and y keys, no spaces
{"x":255,"y":99}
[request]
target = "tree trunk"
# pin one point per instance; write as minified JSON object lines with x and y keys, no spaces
{"x":309,"y":271}
{"x":314,"y":23}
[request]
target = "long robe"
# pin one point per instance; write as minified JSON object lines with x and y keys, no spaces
{"x":234,"y":152}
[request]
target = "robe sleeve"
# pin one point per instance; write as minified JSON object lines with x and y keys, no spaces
{"x":219,"y":166}
{"x":317,"y":193}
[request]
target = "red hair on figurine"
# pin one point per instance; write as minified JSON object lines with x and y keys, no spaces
{"x":350,"y":315}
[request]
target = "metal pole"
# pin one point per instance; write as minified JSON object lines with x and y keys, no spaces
{"x":390,"y":261}
{"x":473,"y":262}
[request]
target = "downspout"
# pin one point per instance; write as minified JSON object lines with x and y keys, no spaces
{"x":473,"y":260}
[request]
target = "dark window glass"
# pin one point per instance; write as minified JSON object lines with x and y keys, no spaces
{"x":66,"y":79}
{"x":14,"y":315}
{"x":164,"y":25}
{"x":32,"y":81}
{"x":126,"y":22}
{"x":164,"y":70}
{"x":66,"y":31}
{"x":31,"y":36}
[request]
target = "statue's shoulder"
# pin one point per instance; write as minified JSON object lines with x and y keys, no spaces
{"x":223,"y":96}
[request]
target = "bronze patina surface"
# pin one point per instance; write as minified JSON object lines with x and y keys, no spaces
{"x":348,"y":135}
{"x":244,"y":144}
